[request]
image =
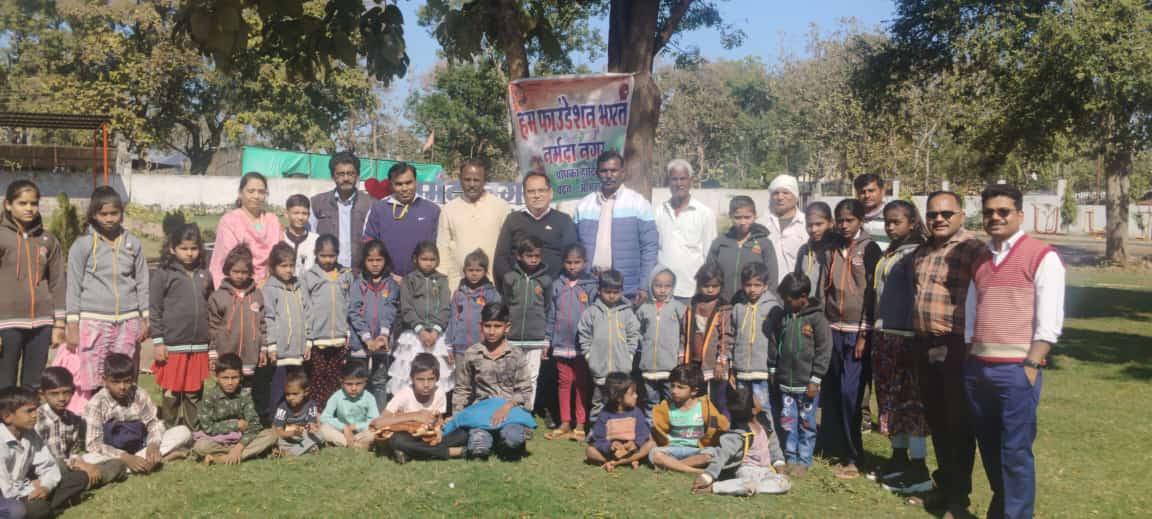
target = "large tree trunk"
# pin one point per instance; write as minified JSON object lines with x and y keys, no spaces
{"x":632,"y":26}
{"x":512,"y":39}
{"x":1117,"y":167}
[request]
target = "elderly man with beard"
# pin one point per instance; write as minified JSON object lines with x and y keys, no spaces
{"x":687,"y":228}
{"x":469,"y":222}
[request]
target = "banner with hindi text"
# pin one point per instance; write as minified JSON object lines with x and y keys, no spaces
{"x":561,"y":124}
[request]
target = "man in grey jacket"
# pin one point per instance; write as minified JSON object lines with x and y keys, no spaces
{"x":341,"y":212}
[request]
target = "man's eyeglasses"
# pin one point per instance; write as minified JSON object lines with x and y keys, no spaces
{"x":537,"y":192}
{"x":947,"y":215}
{"x":1003,"y":212}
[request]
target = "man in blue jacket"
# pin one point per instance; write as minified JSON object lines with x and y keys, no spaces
{"x":618,"y":227}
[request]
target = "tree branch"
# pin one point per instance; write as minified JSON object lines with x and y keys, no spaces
{"x":671,"y":24}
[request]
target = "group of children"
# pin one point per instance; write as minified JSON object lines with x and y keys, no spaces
{"x":321,"y":354}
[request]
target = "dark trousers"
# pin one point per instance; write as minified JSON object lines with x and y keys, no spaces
{"x":261,"y":383}
{"x":378,"y":379}
{"x":547,"y":401}
{"x":417,"y":449}
{"x":1003,"y":406}
{"x":946,"y":410}
{"x":24,"y":345}
{"x":840,"y":397}
{"x":72,"y":483}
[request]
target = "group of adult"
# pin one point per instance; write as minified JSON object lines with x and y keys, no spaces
{"x":982,"y":392}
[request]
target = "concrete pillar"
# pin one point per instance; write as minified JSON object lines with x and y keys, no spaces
{"x":895,"y":189}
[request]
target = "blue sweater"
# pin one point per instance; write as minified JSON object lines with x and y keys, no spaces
{"x":401,"y":234}
{"x":568,"y":304}
{"x":464,"y":326}
{"x":641,"y":432}
{"x":635,"y":240}
{"x":372,"y":309}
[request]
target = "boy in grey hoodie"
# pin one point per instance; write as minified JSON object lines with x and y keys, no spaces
{"x":747,"y":334}
{"x":609,"y":334}
{"x":661,"y":347}
{"x":285,"y":319}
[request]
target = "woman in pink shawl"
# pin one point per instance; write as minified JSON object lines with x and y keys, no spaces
{"x":249,"y":223}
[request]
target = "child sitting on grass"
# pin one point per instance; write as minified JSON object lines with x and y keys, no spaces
{"x":297,"y":421}
{"x":121,"y":423}
{"x":349,"y":411}
{"x":28,"y":472}
{"x":757,"y":452}
{"x":621,"y":435}
{"x":493,"y":368}
{"x":230,"y":429}
{"x":420,"y":407}
{"x":686,"y":427}
{"x":63,"y":431}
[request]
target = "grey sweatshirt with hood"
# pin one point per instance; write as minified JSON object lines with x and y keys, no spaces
{"x":285,"y":318}
{"x":327,"y":306}
{"x":748,"y":337}
{"x":661,"y":345}
{"x":608,"y":338}
{"x":107,"y":279}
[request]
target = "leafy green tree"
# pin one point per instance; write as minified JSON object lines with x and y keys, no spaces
{"x":1057,"y":73}
{"x":465,"y":105}
{"x":64,"y":223}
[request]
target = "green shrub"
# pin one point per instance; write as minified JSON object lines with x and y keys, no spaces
{"x":1068,"y":208}
{"x":65,"y":222}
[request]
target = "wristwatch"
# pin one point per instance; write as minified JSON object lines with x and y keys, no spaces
{"x":1029,"y":363}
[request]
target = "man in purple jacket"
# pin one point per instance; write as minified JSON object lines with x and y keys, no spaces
{"x":402,"y":219}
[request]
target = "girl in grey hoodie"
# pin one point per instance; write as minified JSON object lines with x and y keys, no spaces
{"x":107,"y":295}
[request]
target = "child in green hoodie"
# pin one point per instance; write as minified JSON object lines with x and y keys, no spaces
{"x":746,"y":241}
{"x":799,"y":350}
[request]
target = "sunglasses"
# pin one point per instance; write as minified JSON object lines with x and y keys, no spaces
{"x":947,"y":215}
{"x":1003,"y":212}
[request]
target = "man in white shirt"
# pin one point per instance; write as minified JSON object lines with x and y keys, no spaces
{"x":469,"y":222}
{"x":1015,"y":309}
{"x":785,"y":223}
{"x":687,"y":228}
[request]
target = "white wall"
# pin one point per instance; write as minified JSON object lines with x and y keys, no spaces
{"x":172,"y":191}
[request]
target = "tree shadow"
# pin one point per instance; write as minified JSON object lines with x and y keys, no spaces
{"x":1111,"y":348}
{"x":1093,"y":302}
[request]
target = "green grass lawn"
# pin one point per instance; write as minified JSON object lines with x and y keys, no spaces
{"x":1092,"y":448}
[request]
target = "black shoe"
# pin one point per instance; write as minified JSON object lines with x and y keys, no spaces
{"x":914,"y":480}
{"x":892,"y":468}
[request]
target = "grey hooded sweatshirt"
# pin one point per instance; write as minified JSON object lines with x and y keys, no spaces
{"x":661,"y":346}
{"x":748,"y":353}
{"x":327,"y":297}
{"x":107,"y":279}
{"x":608,"y":338}
{"x":285,"y":317}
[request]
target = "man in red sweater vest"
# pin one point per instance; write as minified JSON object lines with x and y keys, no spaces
{"x":1016,"y":310}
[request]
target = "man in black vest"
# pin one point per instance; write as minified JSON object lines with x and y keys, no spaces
{"x":341,"y":212}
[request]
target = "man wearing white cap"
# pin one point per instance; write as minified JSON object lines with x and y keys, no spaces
{"x":687,"y":228}
{"x":786,"y":227}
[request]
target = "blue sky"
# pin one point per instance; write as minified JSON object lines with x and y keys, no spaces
{"x":770,"y":25}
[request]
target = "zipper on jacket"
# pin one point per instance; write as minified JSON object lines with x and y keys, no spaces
{"x":527,"y":303}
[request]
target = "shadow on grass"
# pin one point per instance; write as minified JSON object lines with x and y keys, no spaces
{"x":1093,"y":302}
{"x":1110,"y":348}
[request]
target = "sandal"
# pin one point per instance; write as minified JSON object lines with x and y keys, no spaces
{"x":557,"y":434}
{"x":577,"y":435}
{"x":846,"y":471}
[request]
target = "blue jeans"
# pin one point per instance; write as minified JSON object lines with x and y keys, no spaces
{"x":796,"y":422}
{"x":1003,"y":406}
{"x":841,"y":395}
{"x":512,"y":437}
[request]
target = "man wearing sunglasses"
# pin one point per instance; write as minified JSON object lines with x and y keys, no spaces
{"x":1015,"y":306}
{"x":943,"y":271}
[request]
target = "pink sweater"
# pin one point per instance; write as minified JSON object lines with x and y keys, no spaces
{"x":234,"y":228}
